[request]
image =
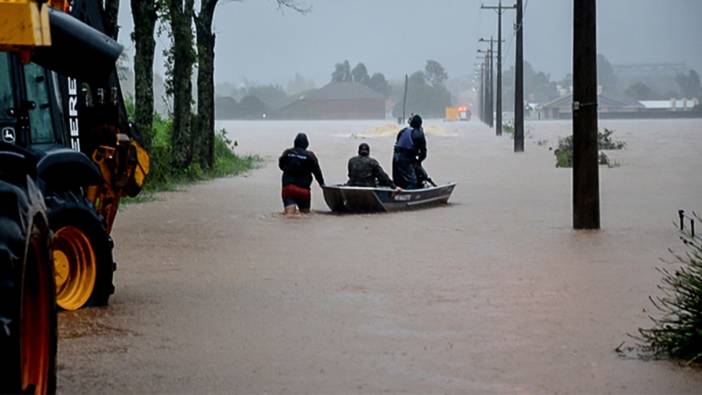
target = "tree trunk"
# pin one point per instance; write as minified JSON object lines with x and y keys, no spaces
{"x":111,"y":13}
{"x":144,"y":16}
{"x":183,"y":57}
{"x":205,"y":83}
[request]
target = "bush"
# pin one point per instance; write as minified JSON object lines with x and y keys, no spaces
{"x":678,"y":333}
{"x":605,"y":141}
{"x":164,"y":176}
{"x":564,"y":152}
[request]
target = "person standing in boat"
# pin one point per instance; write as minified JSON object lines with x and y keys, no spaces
{"x":365,"y":171}
{"x":410,"y":151}
{"x":298,"y":166}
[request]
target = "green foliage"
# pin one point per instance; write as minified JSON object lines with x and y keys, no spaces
{"x":165,"y":176}
{"x":678,"y":332}
{"x":606,"y":76}
{"x":435,"y":73}
{"x":422,"y":98}
{"x":538,"y":86}
{"x":360,"y":74}
{"x":564,"y":152}
{"x":689,"y":84}
{"x":379,"y":84}
{"x":342,"y":72}
{"x":641,"y":91}
{"x":605,"y":141}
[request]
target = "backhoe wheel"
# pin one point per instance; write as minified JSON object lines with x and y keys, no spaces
{"x":27,"y":296}
{"x":82,"y":252}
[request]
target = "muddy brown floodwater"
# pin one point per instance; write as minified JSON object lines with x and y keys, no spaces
{"x":494,"y":293}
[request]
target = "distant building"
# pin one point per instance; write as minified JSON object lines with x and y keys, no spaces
{"x":670,"y":105}
{"x":562,"y":107}
{"x":337,"y":100}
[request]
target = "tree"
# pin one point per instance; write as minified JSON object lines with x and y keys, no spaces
{"x":299,"y":84}
{"x":111,"y":13}
{"x":144,"y":14}
{"x":422,"y":98}
{"x":435,"y":73}
{"x":342,"y":72}
{"x":204,"y":139}
{"x":182,"y":58}
{"x":418,"y":78}
{"x":204,"y":136}
{"x":641,"y":91}
{"x":360,"y":74}
{"x":689,"y":84}
{"x":272,"y":95}
{"x":379,"y":84}
{"x":606,"y":76}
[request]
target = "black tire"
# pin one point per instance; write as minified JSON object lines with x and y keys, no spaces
{"x":73,"y":209}
{"x":28,"y":331}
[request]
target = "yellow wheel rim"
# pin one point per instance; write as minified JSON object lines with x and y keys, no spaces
{"x":75,"y":268}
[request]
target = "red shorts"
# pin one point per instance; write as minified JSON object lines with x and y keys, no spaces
{"x":295,"y":195}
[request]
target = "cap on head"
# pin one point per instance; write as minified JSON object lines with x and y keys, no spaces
{"x":301,"y":141}
{"x":416,"y":122}
{"x":364,"y":149}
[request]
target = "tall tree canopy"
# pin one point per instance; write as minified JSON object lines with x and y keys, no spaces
{"x":360,"y":74}
{"x":342,"y":72}
{"x":689,"y":84}
{"x":435,"y":73}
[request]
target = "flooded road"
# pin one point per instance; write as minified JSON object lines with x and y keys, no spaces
{"x":494,"y":293}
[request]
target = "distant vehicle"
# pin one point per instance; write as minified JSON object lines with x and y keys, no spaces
{"x":460,"y":113}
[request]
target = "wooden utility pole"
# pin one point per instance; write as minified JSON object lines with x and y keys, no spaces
{"x":519,"y":82}
{"x":498,"y":109}
{"x":404,"y":101}
{"x":586,"y":190}
{"x":498,"y":101}
{"x":490,"y":82}
{"x":480,"y":93}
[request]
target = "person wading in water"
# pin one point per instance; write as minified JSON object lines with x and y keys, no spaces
{"x":298,"y":166}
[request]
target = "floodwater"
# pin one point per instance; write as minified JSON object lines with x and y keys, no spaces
{"x":494,"y":293}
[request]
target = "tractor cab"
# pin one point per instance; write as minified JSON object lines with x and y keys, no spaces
{"x":31,"y":113}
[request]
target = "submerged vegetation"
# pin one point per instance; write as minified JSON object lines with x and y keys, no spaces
{"x":164,"y":176}
{"x":564,"y":152}
{"x":678,"y":332}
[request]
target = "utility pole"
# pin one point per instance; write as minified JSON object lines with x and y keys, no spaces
{"x":586,"y":189}
{"x":479,"y":92}
{"x":519,"y":82}
{"x":404,"y":101}
{"x":498,"y":111}
{"x":490,"y":81}
{"x":483,"y":91}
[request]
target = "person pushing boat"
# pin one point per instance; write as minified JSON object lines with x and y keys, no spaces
{"x":298,"y":166}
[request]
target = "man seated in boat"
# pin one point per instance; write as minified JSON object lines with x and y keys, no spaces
{"x":365,"y":171}
{"x":410,"y":151}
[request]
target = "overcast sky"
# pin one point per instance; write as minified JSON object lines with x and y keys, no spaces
{"x":259,"y":42}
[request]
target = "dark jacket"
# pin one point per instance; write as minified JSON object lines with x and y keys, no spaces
{"x":410,"y":151}
{"x":298,"y":166}
{"x":412,"y":143}
{"x":365,"y":171}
